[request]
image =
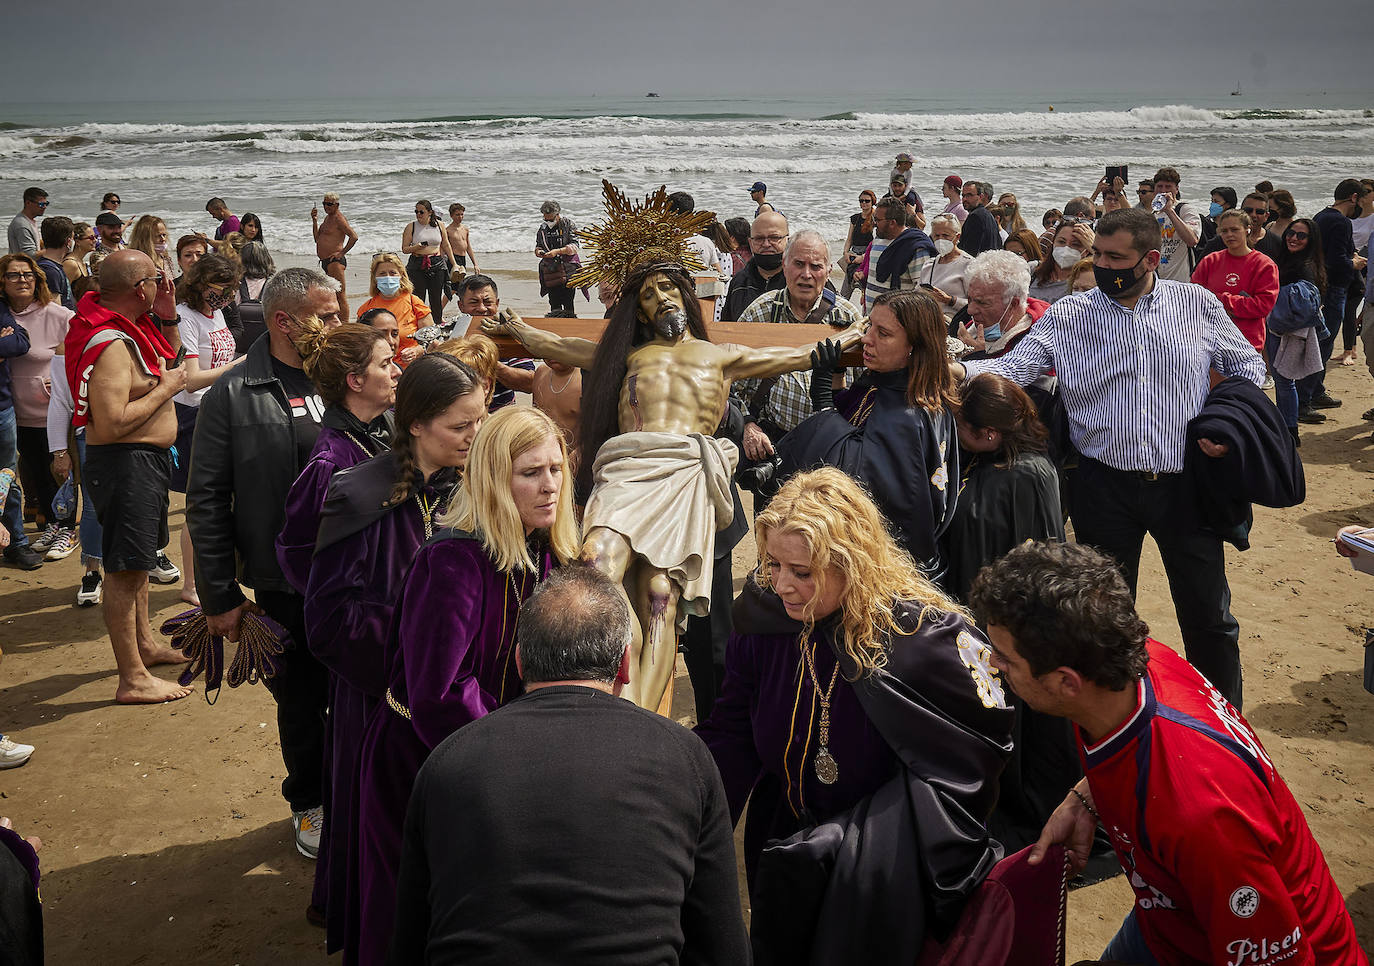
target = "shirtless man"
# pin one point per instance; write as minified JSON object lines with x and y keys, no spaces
{"x":558,"y":391}
{"x":124,"y":398}
{"x":664,"y":386}
{"x":458,"y":238}
{"x":334,"y":238}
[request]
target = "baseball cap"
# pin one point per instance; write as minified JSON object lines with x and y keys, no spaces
{"x":904,"y":157}
{"x":109,"y":218}
{"x":759,"y":186}
{"x":954,"y":181}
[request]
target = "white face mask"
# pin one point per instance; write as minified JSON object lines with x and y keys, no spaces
{"x":71,"y":245}
{"x":1066,"y":257}
{"x":944,"y":246}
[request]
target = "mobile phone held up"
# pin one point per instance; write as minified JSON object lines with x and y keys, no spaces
{"x":1114,"y":171}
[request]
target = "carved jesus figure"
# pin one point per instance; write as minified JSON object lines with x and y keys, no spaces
{"x":659,"y":481}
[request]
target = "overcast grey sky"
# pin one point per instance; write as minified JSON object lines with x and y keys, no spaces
{"x":145,"y":50}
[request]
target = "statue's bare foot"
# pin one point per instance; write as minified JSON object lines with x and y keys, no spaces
{"x":150,"y":690}
{"x":155,"y":654}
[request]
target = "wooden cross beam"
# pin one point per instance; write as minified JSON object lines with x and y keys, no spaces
{"x":756,"y":335}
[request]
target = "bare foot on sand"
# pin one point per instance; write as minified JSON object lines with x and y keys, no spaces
{"x":156,"y":654}
{"x":188,"y":594}
{"x":150,"y":690}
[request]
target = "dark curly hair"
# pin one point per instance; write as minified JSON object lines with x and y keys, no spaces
{"x":1066,"y":605}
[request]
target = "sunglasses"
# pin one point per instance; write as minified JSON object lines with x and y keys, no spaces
{"x":331,"y":204}
{"x":1257,"y":212}
{"x":1296,"y":234}
{"x":42,"y":204}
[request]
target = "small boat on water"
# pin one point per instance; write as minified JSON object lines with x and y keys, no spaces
{"x":651,"y":94}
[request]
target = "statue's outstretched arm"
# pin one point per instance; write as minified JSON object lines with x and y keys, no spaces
{"x":541,"y":344}
{"x":745,"y":363}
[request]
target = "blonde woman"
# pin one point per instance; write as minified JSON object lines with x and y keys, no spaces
{"x":390,"y":289}
{"x":150,"y":236}
{"x":846,"y":664}
{"x":450,"y":659}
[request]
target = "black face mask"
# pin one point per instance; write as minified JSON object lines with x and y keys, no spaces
{"x":1115,"y":282}
{"x":768,"y":261}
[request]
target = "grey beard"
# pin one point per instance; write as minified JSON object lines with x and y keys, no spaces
{"x":671,"y":324}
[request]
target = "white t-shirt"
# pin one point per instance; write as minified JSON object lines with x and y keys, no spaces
{"x":1173,"y":254}
{"x":1362,"y":228}
{"x":209,"y":340}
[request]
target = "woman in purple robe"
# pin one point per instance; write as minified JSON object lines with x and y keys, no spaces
{"x":375,"y":517}
{"x":449,"y":658}
{"x":863,"y":723}
{"x":352,"y":367}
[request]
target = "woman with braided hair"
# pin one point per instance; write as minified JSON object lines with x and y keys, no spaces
{"x":449,"y":658}
{"x":374,"y":520}
{"x":355,"y":372}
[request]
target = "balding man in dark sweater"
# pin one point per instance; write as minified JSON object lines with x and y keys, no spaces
{"x":569,"y":826}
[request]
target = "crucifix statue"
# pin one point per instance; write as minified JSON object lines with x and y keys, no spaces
{"x":658,"y":479}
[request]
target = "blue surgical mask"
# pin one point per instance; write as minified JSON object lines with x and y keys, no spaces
{"x":388,"y":285}
{"x":1216,"y":209}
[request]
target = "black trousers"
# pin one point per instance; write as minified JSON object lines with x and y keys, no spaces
{"x":703,"y":644}
{"x":1113,"y":511}
{"x":301,"y":690}
{"x":429,"y":282}
{"x":35,"y":470}
{"x":562,"y":299}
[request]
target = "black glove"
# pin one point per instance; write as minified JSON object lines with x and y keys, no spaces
{"x":825,"y":359}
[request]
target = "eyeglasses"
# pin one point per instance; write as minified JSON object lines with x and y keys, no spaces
{"x":768,"y":239}
{"x":90,"y":237}
{"x":158,"y":278}
{"x":20,"y":276}
{"x":1144,"y":191}
{"x":1257,"y":212}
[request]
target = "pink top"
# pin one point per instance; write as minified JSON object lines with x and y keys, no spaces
{"x":46,"y":326}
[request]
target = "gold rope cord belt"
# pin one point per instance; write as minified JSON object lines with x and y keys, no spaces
{"x":396,"y":706}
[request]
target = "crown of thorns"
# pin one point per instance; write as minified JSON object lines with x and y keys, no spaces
{"x":634,"y":235}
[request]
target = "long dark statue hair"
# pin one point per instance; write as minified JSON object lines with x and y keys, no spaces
{"x":624,"y":331}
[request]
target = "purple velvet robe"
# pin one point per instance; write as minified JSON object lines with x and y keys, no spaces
{"x":333,"y":451}
{"x":349,"y":601}
{"x":450,"y":660}
{"x":764,"y":729}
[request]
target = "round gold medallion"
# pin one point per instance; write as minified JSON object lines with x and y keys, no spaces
{"x":826,"y":769}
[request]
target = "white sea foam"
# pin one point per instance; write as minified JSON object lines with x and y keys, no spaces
{"x":814,"y":166}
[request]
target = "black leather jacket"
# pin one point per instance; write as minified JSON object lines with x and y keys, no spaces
{"x":245,"y":462}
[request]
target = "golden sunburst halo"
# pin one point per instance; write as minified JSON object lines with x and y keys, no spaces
{"x":635,"y":234}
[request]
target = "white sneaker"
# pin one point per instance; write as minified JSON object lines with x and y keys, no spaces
{"x":43,"y":541}
{"x":165,"y":572}
{"x":12,"y":753}
{"x":308,"y":825}
{"x":62,"y":545}
{"x":1268,"y":383}
{"x":90,"y":593}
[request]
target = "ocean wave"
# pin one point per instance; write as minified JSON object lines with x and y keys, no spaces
{"x":743,"y":129}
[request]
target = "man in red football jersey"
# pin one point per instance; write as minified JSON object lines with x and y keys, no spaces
{"x":1224,"y":867}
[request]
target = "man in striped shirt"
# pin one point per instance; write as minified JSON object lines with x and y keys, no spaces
{"x":777,"y":405}
{"x":1133,"y":358}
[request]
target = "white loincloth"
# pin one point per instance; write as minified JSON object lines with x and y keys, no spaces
{"x":667,"y":495}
